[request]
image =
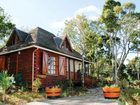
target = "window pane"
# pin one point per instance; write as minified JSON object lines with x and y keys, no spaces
{"x":51,"y":65}
{"x":61,"y":65}
{"x":71,"y":65}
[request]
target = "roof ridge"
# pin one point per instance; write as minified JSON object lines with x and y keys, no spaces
{"x":39,"y":28}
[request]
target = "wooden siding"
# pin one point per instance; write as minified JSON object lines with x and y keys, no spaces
{"x":22,"y":62}
{"x":2,"y":63}
{"x":25,"y":64}
{"x":51,"y":80}
{"x":12,"y":63}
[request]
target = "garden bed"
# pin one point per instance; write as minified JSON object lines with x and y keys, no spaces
{"x":18,"y":98}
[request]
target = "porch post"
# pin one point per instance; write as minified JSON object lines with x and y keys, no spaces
{"x":33,"y":68}
{"x":74,"y":68}
{"x":69,"y":68}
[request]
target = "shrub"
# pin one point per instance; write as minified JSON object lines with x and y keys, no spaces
{"x":36,"y":84}
{"x":130,"y":96}
{"x":19,"y":79}
{"x":6,"y":81}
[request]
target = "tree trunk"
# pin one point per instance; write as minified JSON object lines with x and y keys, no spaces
{"x":138,"y":75}
{"x":83,"y":67}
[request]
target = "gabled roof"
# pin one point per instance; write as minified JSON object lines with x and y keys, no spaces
{"x":65,"y":38}
{"x":42,"y":38}
{"x":20,"y":34}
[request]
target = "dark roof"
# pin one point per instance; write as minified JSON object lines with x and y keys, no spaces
{"x":43,"y":38}
{"x":21,"y":34}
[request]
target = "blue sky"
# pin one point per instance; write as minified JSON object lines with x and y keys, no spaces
{"x":51,"y":14}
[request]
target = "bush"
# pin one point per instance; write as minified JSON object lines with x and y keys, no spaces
{"x":6,"y":81}
{"x":130,"y":96}
{"x":36,"y":85}
{"x":19,"y":79}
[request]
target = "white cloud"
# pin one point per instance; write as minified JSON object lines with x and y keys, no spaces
{"x":88,"y":9}
{"x":93,"y":17}
{"x":57,"y":24}
{"x":91,"y":12}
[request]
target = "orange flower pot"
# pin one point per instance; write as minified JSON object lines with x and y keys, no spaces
{"x":53,"y":92}
{"x":111,"y":92}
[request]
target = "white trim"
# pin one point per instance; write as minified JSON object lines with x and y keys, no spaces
{"x":42,"y":49}
{"x":1,"y":53}
{"x":59,"y":53}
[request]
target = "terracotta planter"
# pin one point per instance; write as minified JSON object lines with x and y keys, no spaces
{"x":111,"y":92}
{"x":53,"y":92}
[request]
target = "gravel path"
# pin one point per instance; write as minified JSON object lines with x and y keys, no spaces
{"x":93,"y":97}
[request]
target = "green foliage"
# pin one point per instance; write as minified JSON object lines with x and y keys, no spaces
{"x":121,"y":24}
{"x":5,"y":25}
{"x":117,"y":9}
{"x":77,"y":29}
{"x":37,"y":83}
{"x":28,"y":96}
{"x":69,"y":88}
{"x":19,"y":79}
{"x":130,"y":7}
{"x":108,"y":16}
{"x":66,"y":84}
{"x":130,"y":96}
{"x":22,"y":98}
{"x":6,"y":81}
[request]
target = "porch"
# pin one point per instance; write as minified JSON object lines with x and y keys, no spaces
{"x":53,"y":68}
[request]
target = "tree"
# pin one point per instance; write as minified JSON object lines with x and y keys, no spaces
{"x":97,"y":49}
{"x":5,"y":25}
{"x":109,"y":20}
{"x":121,"y":24}
{"x":77,"y":29}
{"x":134,"y":65}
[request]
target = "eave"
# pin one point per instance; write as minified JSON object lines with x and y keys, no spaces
{"x":35,"y":46}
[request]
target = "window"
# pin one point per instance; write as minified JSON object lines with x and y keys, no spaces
{"x":71,"y":65}
{"x":86,"y":68}
{"x":78,"y":65}
{"x":51,"y":65}
{"x":45,"y":63}
{"x":62,"y":65}
{"x":67,"y":64}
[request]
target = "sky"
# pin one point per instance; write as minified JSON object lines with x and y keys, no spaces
{"x":51,"y":14}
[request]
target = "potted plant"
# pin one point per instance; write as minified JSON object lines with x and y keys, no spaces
{"x":111,"y":92}
{"x":36,"y":85}
{"x":54,"y":91}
